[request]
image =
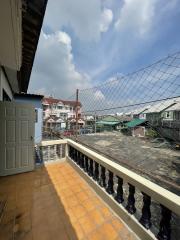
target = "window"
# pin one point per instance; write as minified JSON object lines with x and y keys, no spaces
{"x":167,"y":115}
{"x":45,"y":107}
{"x":177,"y":115}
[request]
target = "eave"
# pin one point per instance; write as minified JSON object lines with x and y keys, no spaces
{"x":32,"y":18}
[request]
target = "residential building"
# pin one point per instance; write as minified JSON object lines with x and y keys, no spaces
{"x":172,"y":113}
{"x":170,"y":125}
{"x":164,"y":118}
{"x":155,"y":113}
{"x":111,"y":123}
{"x":140,"y":112}
{"x":136,"y":127}
{"x":89,"y":120}
{"x":108,"y":123}
{"x":59,"y":114}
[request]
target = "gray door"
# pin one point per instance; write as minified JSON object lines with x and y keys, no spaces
{"x":17,"y":122}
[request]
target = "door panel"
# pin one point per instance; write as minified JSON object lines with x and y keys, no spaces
{"x":10,"y":131}
{"x":24,"y":130}
{"x":24,"y":156}
{"x":10,"y":158}
{"x":17,"y":123}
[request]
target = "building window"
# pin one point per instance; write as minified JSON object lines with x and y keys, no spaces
{"x":167,"y":115}
{"x":45,"y":107}
{"x":5,"y":96}
{"x":177,"y":115}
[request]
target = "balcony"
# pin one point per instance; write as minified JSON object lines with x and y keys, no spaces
{"x":78,"y":194}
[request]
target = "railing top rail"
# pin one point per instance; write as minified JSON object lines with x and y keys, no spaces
{"x":52,"y":142}
{"x":158,"y":193}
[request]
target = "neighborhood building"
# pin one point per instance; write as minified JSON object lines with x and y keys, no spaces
{"x":172,"y":113}
{"x":140,"y":112}
{"x":110,"y":123}
{"x":60,"y":114}
{"x":156,"y":113}
{"x":170,"y":125}
{"x":136,"y":127}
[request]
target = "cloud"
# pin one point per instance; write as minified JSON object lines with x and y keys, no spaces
{"x":106,"y":19}
{"x":79,"y":35}
{"x":98,"y":95}
{"x":136,"y":16}
{"x":86,"y":18}
{"x":54,"y":71}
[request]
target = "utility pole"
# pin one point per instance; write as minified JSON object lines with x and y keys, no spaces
{"x":77,"y":95}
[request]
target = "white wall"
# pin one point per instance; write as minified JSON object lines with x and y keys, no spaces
{"x":4,"y":85}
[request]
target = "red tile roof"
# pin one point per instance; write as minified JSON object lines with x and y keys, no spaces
{"x":51,"y":100}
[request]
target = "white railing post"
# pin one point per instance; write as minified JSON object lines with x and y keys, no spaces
{"x":66,"y":151}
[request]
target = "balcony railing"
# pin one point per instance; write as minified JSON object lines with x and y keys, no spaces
{"x":49,"y":151}
{"x":110,"y":181}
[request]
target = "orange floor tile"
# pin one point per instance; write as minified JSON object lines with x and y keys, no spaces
{"x":54,"y":202}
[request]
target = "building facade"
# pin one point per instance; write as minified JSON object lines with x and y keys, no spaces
{"x":60,"y":114}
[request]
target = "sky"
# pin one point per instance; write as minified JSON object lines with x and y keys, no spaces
{"x":86,"y":43}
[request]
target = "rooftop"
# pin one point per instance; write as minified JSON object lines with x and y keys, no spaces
{"x":135,"y":122}
{"x":51,"y":100}
{"x":160,"y":165}
{"x":58,"y":204}
{"x":160,"y":106}
{"x":175,"y":107}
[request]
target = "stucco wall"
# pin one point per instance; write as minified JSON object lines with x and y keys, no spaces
{"x":4,"y":85}
{"x":38,"y":125}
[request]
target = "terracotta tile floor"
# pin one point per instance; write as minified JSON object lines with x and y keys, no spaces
{"x":54,"y":202}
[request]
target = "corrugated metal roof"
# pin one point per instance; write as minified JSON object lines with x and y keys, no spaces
{"x":135,"y":122}
{"x":140,"y":110}
{"x":107,"y":123}
{"x":175,"y":107}
{"x":110,"y":118}
{"x":160,"y":106}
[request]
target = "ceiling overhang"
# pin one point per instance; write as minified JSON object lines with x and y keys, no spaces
{"x":32,"y":18}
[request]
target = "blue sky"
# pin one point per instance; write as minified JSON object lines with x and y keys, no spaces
{"x":84,"y":43}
